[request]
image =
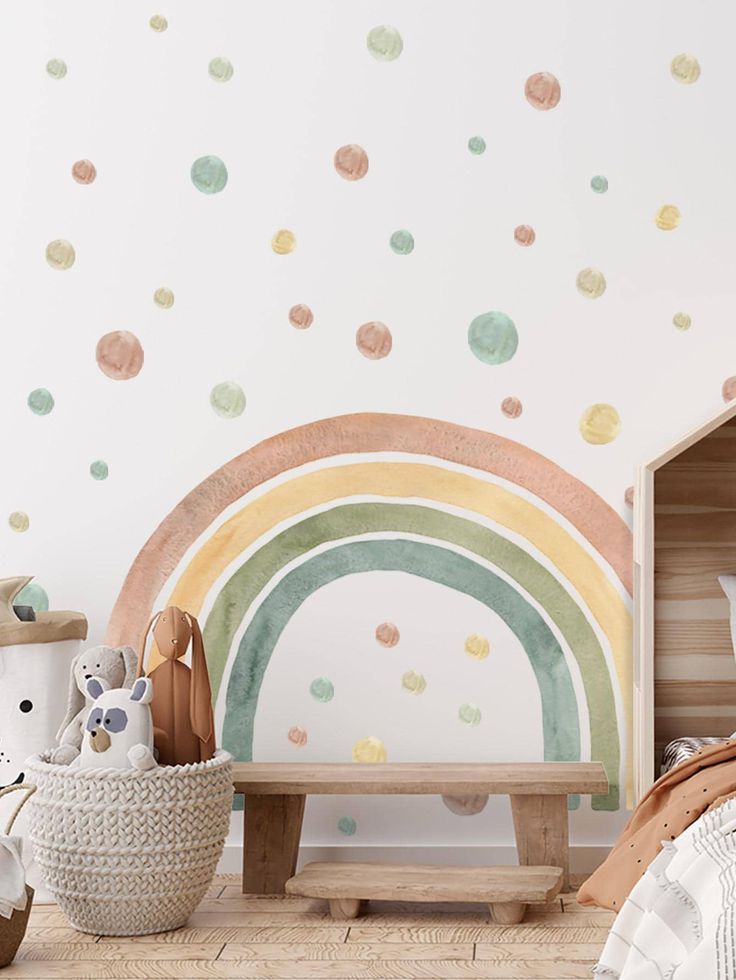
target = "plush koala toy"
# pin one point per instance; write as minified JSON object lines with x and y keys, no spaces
{"x":118,"y":732}
{"x":117,"y":666}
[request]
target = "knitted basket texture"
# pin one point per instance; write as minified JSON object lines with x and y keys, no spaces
{"x":127,"y":853}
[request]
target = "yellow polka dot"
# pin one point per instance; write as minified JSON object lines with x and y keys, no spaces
{"x":599,"y":424}
{"x":682,"y":321}
{"x":685,"y":69}
{"x":668,"y":217}
{"x":591,"y":283}
{"x":283,"y":242}
{"x":163,"y":298}
{"x":369,"y":749}
{"x":19,"y":521}
{"x":413,"y":682}
{"x":477,"y":646}
{"x":158,"y":23}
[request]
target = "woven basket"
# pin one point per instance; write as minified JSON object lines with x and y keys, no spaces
{"x":13,"y":930}
{"x":127,"y":853}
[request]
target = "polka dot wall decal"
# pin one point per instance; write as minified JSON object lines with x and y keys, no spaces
{"x":209,"y":174}
{"x":402,"y":242}
{"x":19,"y":521}
{"x":542,"y":91}
{"x":682,"y":321}
{"x":629,"y":496}
{"x":158,"y":23}
{"x":283,"y":242}
{"x":40,"y":401}
{"x":591,"y":283}
{"x":685,"y":69}
{"x":374,"y":340}
{"x":599,"y":184}
{"x":84,"y":172}
{"x":301,"y":317}
{"x":511,"y":407}
{"x":351,"y":162}
{"x":56,"y":68}
{"x":414,"y":682}
{"x":728,"y":391}
{"x":524,"y":235}
{"x":322,"y":690}
{"x":34,"y":595}
{"x":369,"y":749}
{"x":600,"y":424}
{"x":297,"y":736}
{"x":99,"y":470}
{"x":477,"y":145}
{"x":477,"y":646}
{"x":469,"y":714}
{"x":163,"y":298}
{"x":227,"y":400}
{"x":119,"y":355}
{"x":220,"y":70}
{"x":465,"y":806}
{"x":60,"y":254}
{"x":493,"y":337}
{"x":667,"y":217}
{"x":385,"y":43}
{"x":387,"y":634}
{"x":347,"y":826}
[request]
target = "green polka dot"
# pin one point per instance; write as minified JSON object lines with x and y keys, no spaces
{"x":227,"y":399}
{"x":40,"y":401}
{"x":209,"y":174}
{"x":493,"y":338}
{"x":33,"y":595}
{"x":347,"y":826}
{"x":477,"y":145}
{"x":384,"y":43}
{"x":56,"y":68}
{"x":402,"y":242}
{"x":220,"y":70}
{"x":599,"y":184}
{"x":469,"y":714}
{"x":99,"y":469}
{"x":322,"y":690}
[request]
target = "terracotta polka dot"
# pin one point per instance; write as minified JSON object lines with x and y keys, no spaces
{"x":301,"y":317}
{"x":542,"y":91}
{"x":629,"y":497}
{"x":387,"y":634}
{"x":119,"y":355}
{"x":465,"y":806}
{"x":351,"y":162}
{"x":84,"y":172}
{"x":374,"y":340}
{"x":511,"y":407}
{"x":297,"y":736}
{"x":729,"y":389}
{"x":524,"y":235}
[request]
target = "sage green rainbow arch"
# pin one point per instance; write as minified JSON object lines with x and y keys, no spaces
{"x":251,"y":579}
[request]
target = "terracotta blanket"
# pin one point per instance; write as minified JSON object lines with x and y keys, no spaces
{"x":675,"y":801}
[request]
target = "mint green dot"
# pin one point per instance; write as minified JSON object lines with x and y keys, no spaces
{"x":220,"y":70}
{"x":599,"y":184}
{"x":347,"y":826}
{"x":493,"y":338}
{"x":209,"y":174}
{"x":228,"y":399}
{"x":477,"y":145}
{"x":385,"y":43}
{"x":99,"y":470}
{"x":322,"y":690}
{"x":33,"y":595}
{"x":56,"y":68}
{"x":40,"y":401}
{"x":402,"y":242}
{"x":469,"y":714}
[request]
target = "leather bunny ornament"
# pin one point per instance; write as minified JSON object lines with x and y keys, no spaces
{"x":183,"y":723}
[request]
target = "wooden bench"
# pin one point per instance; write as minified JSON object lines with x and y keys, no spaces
{"x":275,"y":794}
{"x":506,"y":890}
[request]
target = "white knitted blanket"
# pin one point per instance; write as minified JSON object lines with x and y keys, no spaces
{"x":679,"y":922}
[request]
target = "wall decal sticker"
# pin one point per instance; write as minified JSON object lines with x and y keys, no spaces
{"x":351,"y":162}
{"x":667,"y":217}
{"x":322,"y":689}
{"x":599,"y":184}
{"x":99,"y":469}
{"x":209,"y":174}
{"x":228,"y":399}
{"x":512,"y":407}
{"x":301,"y":317}
{"x":591,"y":283}
{"x":600,"y":424}
{"x":374,"y":340}
{"x":477,"y":646}
{"x":385,"y":43}
{"x":493,"y":337}
{"x":413,"y":682}
{"x":56,"y":68}
{"x":685,"y":69}
{"x":19,"y":521}
{"x":220,"y":70}
{"x":470,"y":714}
{"x":60,"y":254}
{"x":369,"y":749}
{"x":542,"y":91}
{"x":283,"y":241}
{"x":297,"y":736}
{"x":84,"y":172}
{"x":387,"y":634}
{"x":347,"y":826}
{"x":40,"y":401}
{"x":477,"y":145}
{"x":163,"y":298}
{"x":119,"y":355}
{"x":402,"y":242}
{"x":524,"y":235}
{"x":682,"y":321}
{"x":158,"y":23}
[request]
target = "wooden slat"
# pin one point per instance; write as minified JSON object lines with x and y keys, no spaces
{"x":695,"y":693}
{"x":686,"y":638}
{"x":585,"y":952}
{"x":352,"y":951}
{"x":716,"y":529}
{"x":526,"y":932}
{"x":419,"y":778}
{"x":119,"y":950}
{"x":244,"y":934}
{"x":688,"y":573}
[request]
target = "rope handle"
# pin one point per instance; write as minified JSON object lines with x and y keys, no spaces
{"x":30,"y":790}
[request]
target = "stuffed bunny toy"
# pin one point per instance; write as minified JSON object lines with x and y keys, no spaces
{"x":116,"y":666}
{"x":118,"y":730}
{"x":184,"y":728}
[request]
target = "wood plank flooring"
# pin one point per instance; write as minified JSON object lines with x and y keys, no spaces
{"x":275,"y":937}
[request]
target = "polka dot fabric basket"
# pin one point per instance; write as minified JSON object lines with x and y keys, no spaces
{"x":127,"y":853}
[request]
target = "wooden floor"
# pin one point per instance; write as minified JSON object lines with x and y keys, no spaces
{"x":235,"y":935}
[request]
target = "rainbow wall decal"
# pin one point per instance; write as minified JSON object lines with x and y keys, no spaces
{"x":467,"y":509}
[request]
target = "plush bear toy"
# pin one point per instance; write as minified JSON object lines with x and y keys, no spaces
{"x":118,"y":733}
{"x":116,"y":666}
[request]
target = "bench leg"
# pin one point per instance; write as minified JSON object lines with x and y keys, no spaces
{"x":541,"y":829}
{"x":345,"y":908}
{"x":272,"y":829}
{"x":507,"y":913}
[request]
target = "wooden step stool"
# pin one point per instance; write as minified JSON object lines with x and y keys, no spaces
{"x":506,"y":890}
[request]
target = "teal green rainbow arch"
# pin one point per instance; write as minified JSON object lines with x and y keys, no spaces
{"x":252,"y":577}
{"x":560,"y":723}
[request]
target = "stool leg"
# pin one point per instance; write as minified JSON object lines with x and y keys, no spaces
{"x":345,"y":908}
{"x":507,"y":913}
{"x":272,"y":831}
{"x":541,"y":829}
